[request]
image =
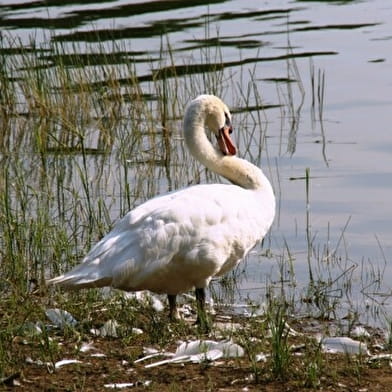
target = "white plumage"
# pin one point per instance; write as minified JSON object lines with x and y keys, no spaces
{"x":179,"y":241}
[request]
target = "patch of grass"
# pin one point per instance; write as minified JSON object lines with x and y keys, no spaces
{"x":280,"y":349}
{"x":313,"y":365}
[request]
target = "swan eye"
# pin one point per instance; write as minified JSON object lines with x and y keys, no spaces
{"x":228,"y":123}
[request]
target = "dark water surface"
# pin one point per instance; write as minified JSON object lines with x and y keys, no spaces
{"x":337,"y":123}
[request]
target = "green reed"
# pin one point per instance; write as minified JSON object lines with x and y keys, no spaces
{"x":280,"y":348}
{"x":85,"y":139}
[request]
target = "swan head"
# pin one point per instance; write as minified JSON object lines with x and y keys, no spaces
{"x":216,"y":117}
{"x":208,"y":112}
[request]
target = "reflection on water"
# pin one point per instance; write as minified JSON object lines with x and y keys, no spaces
{"x":308,"y":83}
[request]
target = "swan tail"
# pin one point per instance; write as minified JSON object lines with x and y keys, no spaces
{"x":80,"y":278}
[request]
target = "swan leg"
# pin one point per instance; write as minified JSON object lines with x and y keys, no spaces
{"x":173,"y":313}
{"x":202,"y":319}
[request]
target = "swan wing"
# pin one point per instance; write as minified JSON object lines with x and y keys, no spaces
{"x":174,"y":242}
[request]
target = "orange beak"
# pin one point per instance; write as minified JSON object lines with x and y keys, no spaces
{"x":225,"y":143}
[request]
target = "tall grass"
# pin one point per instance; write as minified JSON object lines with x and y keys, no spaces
{"x":280,"y":349}
{"x":81,"y":144}
{"x":84,"y":139}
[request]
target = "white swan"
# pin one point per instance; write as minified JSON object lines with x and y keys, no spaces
{"x":179,"y":241}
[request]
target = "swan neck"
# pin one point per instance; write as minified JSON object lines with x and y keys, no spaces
{"x":234,"y":169}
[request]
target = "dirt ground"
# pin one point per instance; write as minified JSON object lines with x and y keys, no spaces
{"x":110,"y":363}
{"x":227,"y":375}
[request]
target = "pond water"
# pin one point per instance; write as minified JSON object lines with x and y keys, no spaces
{"x":323,"y":71}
